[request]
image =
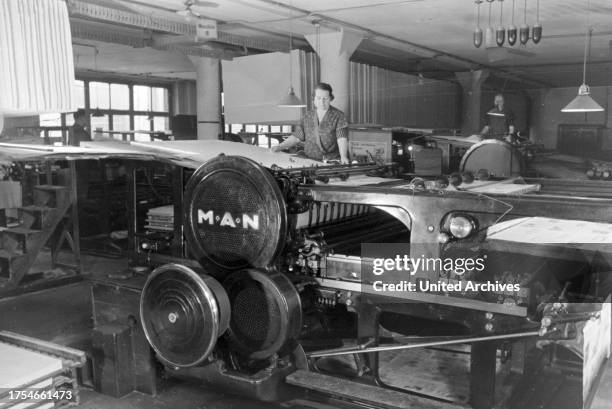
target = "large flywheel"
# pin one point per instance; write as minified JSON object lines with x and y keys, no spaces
{"x":183,"y":313}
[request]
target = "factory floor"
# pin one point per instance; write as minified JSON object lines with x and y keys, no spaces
{"x":67,"y":320}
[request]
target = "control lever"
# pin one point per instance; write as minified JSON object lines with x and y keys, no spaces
{"x":365,"y":348}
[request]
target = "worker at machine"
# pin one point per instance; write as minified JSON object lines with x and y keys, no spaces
{"x":323,"y":130}
{"x":78,"y":133}
{"x":499,"y":121}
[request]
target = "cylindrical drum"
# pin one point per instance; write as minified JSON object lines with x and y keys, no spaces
{"x":266,"y":312}
{"x":183,"y":313}
{"x":499,"y":158}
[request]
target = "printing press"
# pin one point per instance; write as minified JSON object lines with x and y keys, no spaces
{"x":256,"y":274}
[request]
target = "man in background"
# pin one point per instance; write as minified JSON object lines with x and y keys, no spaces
{"x":78,"y":132}
{"x":499,"y":121}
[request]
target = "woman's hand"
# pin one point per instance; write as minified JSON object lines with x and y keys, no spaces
{"x":276,"y":148}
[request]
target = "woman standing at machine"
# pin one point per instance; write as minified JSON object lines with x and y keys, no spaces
{"x":323,"y":130}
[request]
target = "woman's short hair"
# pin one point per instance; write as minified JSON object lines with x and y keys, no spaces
{"x":324,"y":86}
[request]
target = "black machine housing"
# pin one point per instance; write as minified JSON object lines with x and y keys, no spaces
{"x":270,"y":274}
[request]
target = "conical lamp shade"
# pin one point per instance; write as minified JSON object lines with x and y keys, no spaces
{"x":290,"y":100}
{"x":583,"y":102}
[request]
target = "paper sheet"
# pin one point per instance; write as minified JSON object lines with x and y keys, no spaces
{"x":545,"y":230}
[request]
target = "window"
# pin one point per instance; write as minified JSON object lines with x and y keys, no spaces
{"x":120,"y":96}
{"x":99,"y":95}
{"x":124,"y":106}
{"x":142,"y":98}
{"x":48,"y":120}
{"x":121,"y":123}
{"x":159,"y":99}
{"x":142,"y":123}
{"x":262,"y":137}
{"x":59,"y":120}
{"x":51,"y":120}
{"x":161,"y":123}
{"x":99,"y":124}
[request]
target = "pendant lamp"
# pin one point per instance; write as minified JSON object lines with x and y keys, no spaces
{"x":478,"y":30}
{"x":536,"y":31}
{"x":583,"y":101}
{"x":500,"y":33}
{"x":96,"y":112}
{"x":512,"y":31}
{"x":524,"y":29}
{"x":290,"y":100}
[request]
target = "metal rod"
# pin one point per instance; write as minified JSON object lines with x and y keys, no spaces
{"x":381,"y":348}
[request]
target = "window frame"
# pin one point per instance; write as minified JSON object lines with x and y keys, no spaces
{"x":66,"y":118}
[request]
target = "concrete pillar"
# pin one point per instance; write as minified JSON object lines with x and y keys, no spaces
{"x":208,"y":88}
{"x":335,"y":50}
{"x":471,"y":83}
{"x":538,"y":115}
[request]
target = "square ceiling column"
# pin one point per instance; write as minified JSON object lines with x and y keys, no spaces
{"x":471,"y":83}
{"x":335,"y":50}
{"x":208,"y":91}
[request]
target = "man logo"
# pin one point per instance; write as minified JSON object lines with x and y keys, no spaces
{"x":227,"y":220}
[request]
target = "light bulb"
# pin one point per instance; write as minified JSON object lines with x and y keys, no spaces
{"x":536,"y":33}
{"x":477,"y":37}
{"x":512,"y":32}
{"x":524,"y":34}
{"x":500,"y":35}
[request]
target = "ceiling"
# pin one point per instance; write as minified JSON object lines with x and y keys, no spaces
{"x":432,"y":37}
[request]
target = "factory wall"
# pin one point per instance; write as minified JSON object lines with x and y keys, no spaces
{"x":378,"y":96}
{"x":547,"y":116}
{"x":253,"y":85}
{"x":388,"y":98}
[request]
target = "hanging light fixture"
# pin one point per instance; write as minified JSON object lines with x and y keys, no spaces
{"x":583,"y":102}
{"x":96,"y":113}
{"x":500,"y":33}
{"x":489,"y":36}
{"x":290,"y":100}
{"x":536,"y":32}
{"x":524,"y":30}
{"x":150,"y":117}
{"x":477,"y":30}
{"x":512,"y":29}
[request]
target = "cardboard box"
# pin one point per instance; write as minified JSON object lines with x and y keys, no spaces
{"x":370,"y":144}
